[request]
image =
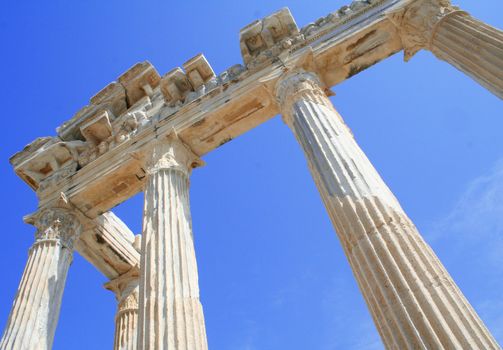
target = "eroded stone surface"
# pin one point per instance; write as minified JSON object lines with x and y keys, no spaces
{"x":414,"y":302}
{"x":170,"y":313}
{"x":126,"y":289}
{"x":35,"y":311}
{"x":103,"y":155}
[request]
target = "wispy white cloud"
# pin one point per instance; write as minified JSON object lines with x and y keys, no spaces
{"x":477,"y":218}
{"x":473,"y":232}
{"x":474,"y":226}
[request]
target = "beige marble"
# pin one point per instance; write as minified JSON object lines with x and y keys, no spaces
{"x":414,"y":302}
{"x":128,"y":139}
{"x":35,"y":311}
{"x":126,"y":289}
{"x":108,"y":244}
{"x":170,"y":313}
{"x":92,"y":159}
{"x":454,"y":36}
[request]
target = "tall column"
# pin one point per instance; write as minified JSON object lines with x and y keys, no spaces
{"x":126,"y":289}
{"x":454,"y":36}
{"x":35,"y":312}
{"x":413,"y":300}
{"x":170,"y":314}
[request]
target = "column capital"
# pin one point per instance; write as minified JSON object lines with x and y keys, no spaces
{"x":56,"y":224}
{"x":297,"y":85}
{"x":170,"y":152}
{"x":125,"y":288}
{"x":416,"y":23}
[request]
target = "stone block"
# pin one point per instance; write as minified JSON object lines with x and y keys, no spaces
{"x":198,"y":71}
{"x":139,"y":81}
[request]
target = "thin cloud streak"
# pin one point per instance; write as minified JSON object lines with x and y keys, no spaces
{"x":477,"y":218}
{"x":473,"y":234}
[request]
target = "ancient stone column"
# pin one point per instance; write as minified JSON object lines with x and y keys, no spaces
{"x":170,"y":313}
{"x":35,"y":312}
{"x":413,"y":300}
{"x":126,"y":289}
{"x":454,"y":36}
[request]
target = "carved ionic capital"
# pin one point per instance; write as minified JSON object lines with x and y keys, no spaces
{"x":126,"y":289}
{"x":297,"y":86}
{"x":171,"y":153}
{"x":57,"y":224}
{"x":129,"y":302}
{"x":416,"y":23}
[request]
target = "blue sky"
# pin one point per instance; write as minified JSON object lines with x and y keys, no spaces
{"x":272,"y":273}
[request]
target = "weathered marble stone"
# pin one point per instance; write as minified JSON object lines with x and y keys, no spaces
{"x":108,"y":244}
{"x":171,"y":315}
{"x":139,"y":81}
{"x":199,"y":71}
{"x":126,"y":289}
{"x":454,"y":36}
{"x":414,"y":302}
{"x":123,"y":143}
{"x":35,"y":312}
{"x":263,"y":39}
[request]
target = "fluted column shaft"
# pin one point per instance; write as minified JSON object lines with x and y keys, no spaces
{"x":414,"y":302}
{"x":126,"y":289}
{"x":473,"y":47}
{"x":171,"y":316}
{"x":454,"y":36}
{"x":35,"y":311}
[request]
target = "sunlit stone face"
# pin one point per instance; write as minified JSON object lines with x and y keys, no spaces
{"x":255,"y":43}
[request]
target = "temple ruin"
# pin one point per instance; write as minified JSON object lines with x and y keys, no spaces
{"x":146,"y":132}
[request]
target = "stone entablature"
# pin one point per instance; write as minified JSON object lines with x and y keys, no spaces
{"x":146,"y":132}
{"x":343,"y":43}
{"x":205,"y":109}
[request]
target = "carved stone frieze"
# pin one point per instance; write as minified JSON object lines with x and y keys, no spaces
{"x":139,"y":81}
{"x":198,"y":71}
{"x":45,"y":163}
{"x":130,"y":127}
{"x":232,"y":74}
{"x":139,"y":100}
{"x":416,"y":23}
{"x":336,"y":18}
{"x":97,"y":129}
{"x":263,"y":40}
{"x":103,"y":136}
{"x":70,"y":129}
{"x":180,"y":87}
{"x":111,"y":97}
{"x":29,"y":149}
{"x":55,"y":178}
{"x":175,"y":86}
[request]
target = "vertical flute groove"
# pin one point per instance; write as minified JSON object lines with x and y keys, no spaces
{"x":473,"y":47}
{"x":35,"y":310}
{"x":126,"y":289}
{"x":167,"y":244}
{"x":413,"y":300}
